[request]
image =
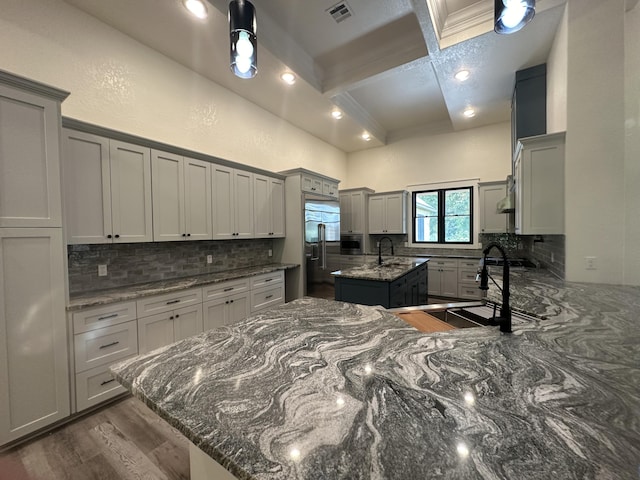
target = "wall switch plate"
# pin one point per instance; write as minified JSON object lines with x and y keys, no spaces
{"x":590,"y":263}
{"x":209,"y":258}
{"x":270,"y":253}
{"x":102,"y":270}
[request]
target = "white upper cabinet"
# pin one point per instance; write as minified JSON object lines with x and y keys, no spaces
{"x":107,"y":187}
{"x":490,"y":194}
{"x":181,"y":197}
{"x":232,"y":203}
{"x":539,"y":185}
{"x":29,"y":159}
{"x":130,"y":192}
{"x":268,"y":206}
{"x":87,"y":188}
{"x":354,"y":206}
{"x":388,"y":212}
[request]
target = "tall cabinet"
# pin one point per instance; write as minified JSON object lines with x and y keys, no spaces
{"x":34,"y":369}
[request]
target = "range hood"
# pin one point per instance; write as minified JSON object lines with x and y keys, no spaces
{"x":508,"y":203}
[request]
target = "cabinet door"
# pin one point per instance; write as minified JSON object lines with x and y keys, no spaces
{"x":262,"y":206}
{"x":435,"y":281}
{"x":34,"y":368}
{"x":29,"y":160}
{"x":517,"y":189}
{"x":87,"y":188}
{"x":155,"y":331}
{"x":357,"y":212}
{"x":222,"y":206}
{"x":395,"y":214}
{"x":186,"y":322}
{"x":278,"y":228}
{"x":449,"y":282}
{"x":168,"y":196}
{"x":490,"y":220}
{"x":243,"y":203}
{"x":215,"y":313}
{"x":197,"y":199}
{"x":239,"y":308}
{"x":130,"y":192}
{"x":377,"y":213}
{"x":345,"y":213}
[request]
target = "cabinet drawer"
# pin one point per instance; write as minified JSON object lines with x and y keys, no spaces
{"x":467,"y":275}
{"x":330,"y":188}
{"x":267,"y":279}
{"x":470,"y":291}
{"x":469,"y":264}
{"x":224,"y":289}
{"x":95,"y":386}
{"x":267,"y":297}
{"x":100,"y":317}
{"x":105,"y":345}
{"x":443,"y":263}
{"x":169,"y":301}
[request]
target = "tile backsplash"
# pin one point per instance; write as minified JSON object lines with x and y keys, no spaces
{"x":134,"y":263}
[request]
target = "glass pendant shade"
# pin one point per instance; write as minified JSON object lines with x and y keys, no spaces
{"x":511,"y":15}
{"x":243,"y":40}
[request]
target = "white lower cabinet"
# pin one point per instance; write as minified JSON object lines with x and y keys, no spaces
{"x":467,"y":285}
{"x":34,"y":366}
{"x":267,"y":291}
{"x":164,"y":328}
{"x":226,"y":310}
{"x":102,"y":336}
{"x":443,"y":278}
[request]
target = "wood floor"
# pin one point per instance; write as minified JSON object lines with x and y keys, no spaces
{"x":120,"y":442}
{"x":424,"y":322}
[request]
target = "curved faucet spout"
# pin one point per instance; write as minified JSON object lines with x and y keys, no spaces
{"x":505,"y":310}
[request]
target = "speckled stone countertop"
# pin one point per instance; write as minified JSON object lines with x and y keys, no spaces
{"x":391,"y":269}
{"x":317,"y":389}
{"x":132,"y":292}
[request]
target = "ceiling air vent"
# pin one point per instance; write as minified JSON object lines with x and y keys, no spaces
{"x":340,"y":11}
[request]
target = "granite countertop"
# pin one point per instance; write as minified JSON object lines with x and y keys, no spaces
{"x":133,"y":292}
{"x":391,"y":269}
{"x":317,"y":389}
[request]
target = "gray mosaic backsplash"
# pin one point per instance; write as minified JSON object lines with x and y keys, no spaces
{"x":134,"y":263}
{"x":549,"y":250}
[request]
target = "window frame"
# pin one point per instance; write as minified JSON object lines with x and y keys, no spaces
{"x":442,"y":191}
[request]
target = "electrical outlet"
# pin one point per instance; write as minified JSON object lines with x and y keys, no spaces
{"x":209,"y":258}
{"x":590,"y":263}
{"x":270,"y":253}
{"x":102,"y":270}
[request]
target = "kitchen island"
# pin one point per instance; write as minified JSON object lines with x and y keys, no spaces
{"x":397,"y":282}
{"x":317,"y":389}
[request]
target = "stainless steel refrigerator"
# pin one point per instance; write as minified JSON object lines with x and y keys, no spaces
{"x":321,"y":238}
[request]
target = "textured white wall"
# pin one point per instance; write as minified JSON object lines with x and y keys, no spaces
{"x":119,"y":83}
{"x":557,"y":80}
{"x":476,"y":153}
{"x":632,"y":146}
{"x":595,"y":151}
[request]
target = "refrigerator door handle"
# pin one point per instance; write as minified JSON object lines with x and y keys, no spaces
{"x":323,"y":245}
{"x":315,"y":252}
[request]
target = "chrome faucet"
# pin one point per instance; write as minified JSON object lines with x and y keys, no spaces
{"x":380,"y":249}
{"x":505,"y":310}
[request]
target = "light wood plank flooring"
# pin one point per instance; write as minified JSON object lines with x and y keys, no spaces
{"x":424,"y":322}
{"x":123,"y":441}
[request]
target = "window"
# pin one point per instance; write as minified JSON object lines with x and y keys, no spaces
{"x":443,"y":216}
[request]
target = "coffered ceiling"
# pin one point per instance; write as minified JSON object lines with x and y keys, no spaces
{"x":389,"y":65}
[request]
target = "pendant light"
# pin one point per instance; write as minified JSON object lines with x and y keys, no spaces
{"x":244,"y":43}
{"x":511,"y":15}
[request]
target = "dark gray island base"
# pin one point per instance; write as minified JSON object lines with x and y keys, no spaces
{"x":398,"y":282}
{"x":327,"y":390}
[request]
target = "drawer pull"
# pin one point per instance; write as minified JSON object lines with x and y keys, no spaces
{"x":109,"y":345}
{"x":228,"y":289}
{"x":171,"y":302}
{"x":107,"y":382}
{"x":268,"y":297}
{"x":106,"y":317}
{"x":268,"y":280}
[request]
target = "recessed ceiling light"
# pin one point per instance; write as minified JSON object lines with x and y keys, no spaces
{"x":469,"y":112}
{"x":196,"y":7}
{"x":288,"y":77}
{"x":366,"y":136}
{"x":462,"y":75}
{"x":337,"y":114}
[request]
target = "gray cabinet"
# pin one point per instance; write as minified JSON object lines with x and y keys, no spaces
{"x":539,"y":185}
{"x":443,"y":277}
{"x":354,"y":210}
{"x":491,"y":221}
{"x":388,"y":212}
{"x":232,"y":203}
{"x":268,"y":207}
